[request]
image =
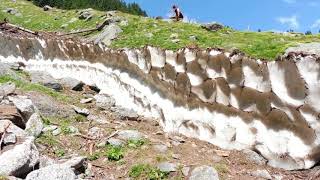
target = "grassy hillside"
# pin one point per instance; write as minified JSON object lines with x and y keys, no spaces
{"x":141,"y":31}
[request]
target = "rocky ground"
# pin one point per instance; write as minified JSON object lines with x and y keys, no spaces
{"x":74,"y":132}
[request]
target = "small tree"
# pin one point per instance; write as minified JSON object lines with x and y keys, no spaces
{"x":308,"y":33}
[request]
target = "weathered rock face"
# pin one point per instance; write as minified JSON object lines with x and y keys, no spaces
{"x":224,"y":98}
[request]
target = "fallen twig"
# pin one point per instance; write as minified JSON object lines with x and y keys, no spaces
{"x":85,"y":137}
{"x":98,"y":28}
{"x":113,"y":134}
{"x":19,"y":28}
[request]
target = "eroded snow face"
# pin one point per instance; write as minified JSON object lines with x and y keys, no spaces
{"x":232,"y":102}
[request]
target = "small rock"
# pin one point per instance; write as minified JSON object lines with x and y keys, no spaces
{"x":24,"y":104}
{"x":185,"y":171}
{"x":83,"y":111}
{"x":85,"y":101}
{"x":20,"y":160}
{"x":72,"y":20}
{"x":124,"y":23}
{"x":11,"y":11}
{"x":34,"y":125}
{"x":47,"y":8}
{"x":167,"y":167}
{"x":174,"y":36}
{"x":115,"y":142}
{"x":45,"y":79}
{"x":95,"y":132}
{"x":10,"y":138}
{"x":97,"y":119}
{"x":85,"y":14}
{"x":64,"y":26}
{"x":261,"y":174}
{"x":193,"y":38}
{"x":104,"y":101}
{"x":160,"y":148}
{"x":176,"y":156}
{"x":130,"y":135}
{"x":125,"y":114}
{"x":56,"y":132}
{"x":53,"y":85}
{"x":93,"y":88}
{"x":222,"y":153}
{"x":277,"y":177}
{"x":204,"y":173}
{"x":49,"y":128}
{"x":72,"y":83}
{"x":254,"y":157}
{"x":7,"y":89}
{"x":175,"y":40}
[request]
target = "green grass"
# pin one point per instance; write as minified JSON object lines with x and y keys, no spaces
{"x":27,"y":86}
{"x":265,"y":45}
{"x":136,"y":143}
{"x":114,"y":153}
{"x":146,"y":171}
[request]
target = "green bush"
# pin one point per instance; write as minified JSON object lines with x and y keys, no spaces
{"x":103,"y":5}
{"x":145,"y":171}
{"x":114,"y":153}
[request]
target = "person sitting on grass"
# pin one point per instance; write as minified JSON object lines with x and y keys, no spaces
{"x":178,"y":14}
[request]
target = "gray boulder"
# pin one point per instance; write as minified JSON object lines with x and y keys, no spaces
{"x":12,"y":11}
{"x":212,"y":26}
{"x":204,"y":173}
{"x":86,"y":14}
{"x":108,"y":34}
{"x":81,"y":111}
{"x":72,"y":84}
{"x":10,"y":138}
{"x":5,"y":69}
{"x":20,"y":160}
{"x":45,"y":79}
{"x":104,"y":101}
{"x":130,"y":135}
{"x":308,"y":48}
{"x":125,"y":114}
{"x":261,"y":174}
{"x":254,"y":157}
{"x":34,"y":125}
{"x":24,"y":104}
{"x":86,"y":100}
{"x":52,"y":172}
{"x":47,"y":8}
{"x":167,"y":167}
{"x":115,"y":142}
{"x":7,"y":89}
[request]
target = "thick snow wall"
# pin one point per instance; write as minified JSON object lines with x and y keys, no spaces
{"x":227,"y":99}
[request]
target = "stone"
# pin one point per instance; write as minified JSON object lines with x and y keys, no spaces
{"x":73,"y":130}
{"x":85,"y":14}
{"x":10,"y":138}
{"x":45,"y":79}
{"x":167,"y":167}
{"x":108,"y":34}
{"x":45,"y":161}
{"x":193,"y":38}
{"x":34,"y":125}
{"x":125,"y":114}
{"x":83,"y":111}
{"x":11,"y":128}
{"x":160,"y":148}
{"x":56,"y":132}
{"x":124,"y":23}
{"x":174,"y":36}
{"x":307,"y":48}
{"x":24,"y":104}
{"x":85,"y":101}
{"x":98,"y":119}
{"x":7,"y":89}
{"x":95,"y":132}
{"x":176,"y":156}
{"x":130,"y":135}
{"x":261,"y":174}
{"x":254,"y":157}
{"x":49,"y":128}
{"x":204,"y":173}
{"x":175,"y":40}
{"x":5,"y":69}
{"x":75,"y":162}
{"x":47,"y":8}
{"x":185,"y":171}
{"x":11,"y":113}
{"x":212,"y":27}
{"x":115,"y":142}
{"x":12,"y":11}
{"x":104,"y":101}
{"x":72,"y":84}
{"x":52,"y":172}
{"x":20,"y":160}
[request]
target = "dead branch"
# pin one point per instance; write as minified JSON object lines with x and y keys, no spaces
{"x":98,"y":28}
{"x":19,"y":28}
{"x":113,"y":134}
